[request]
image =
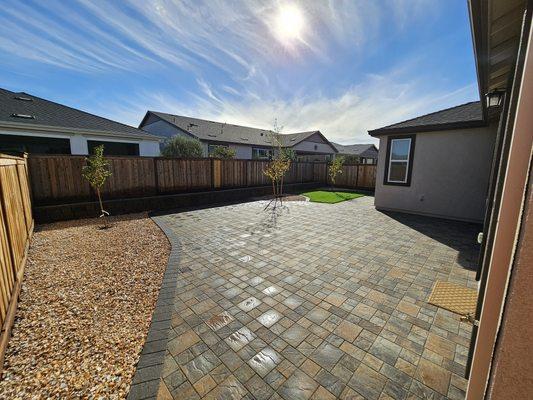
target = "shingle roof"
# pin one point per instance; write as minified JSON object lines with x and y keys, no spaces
{"x":464,"y":115}
{"x":228,"y":133}
{"x":41,"y":112}
{"x":361,"y":150}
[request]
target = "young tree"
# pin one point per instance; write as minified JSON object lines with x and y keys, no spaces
{"x":278,"y":166}
{"x":96,"y":172}
{"x":223,"y":152}
{"x":183,"y":147}
{"x":335,"y":168}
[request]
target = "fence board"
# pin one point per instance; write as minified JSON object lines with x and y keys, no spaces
{"x":255,"y":175}
{"x":367,"y":176}
{"x":16,"y":227}
{"x":233,"y":173}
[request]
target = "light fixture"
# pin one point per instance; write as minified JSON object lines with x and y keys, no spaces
{"x":495,"y":98}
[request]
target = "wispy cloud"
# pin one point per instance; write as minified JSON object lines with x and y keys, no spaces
{"x":237,"y":68}
{"x":236,"y":37}
{"x":345,"y":118}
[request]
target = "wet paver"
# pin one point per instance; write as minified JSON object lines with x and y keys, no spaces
{"x":316,"y":301}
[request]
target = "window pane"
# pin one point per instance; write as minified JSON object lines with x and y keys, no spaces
{"x":114,"y":148}
{"x":33,"y":144}
{"x":398,"y":171}
{"x":400,"y":149}
{"x":258,"y":153}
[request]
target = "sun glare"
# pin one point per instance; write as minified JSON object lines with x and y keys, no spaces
{"x":289,"y":24}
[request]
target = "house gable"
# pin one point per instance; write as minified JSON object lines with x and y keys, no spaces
{"x":156,"y":125}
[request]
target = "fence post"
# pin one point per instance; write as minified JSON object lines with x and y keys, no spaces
{"x":156,"y":176}
{"x":357,"y":176}
{"x":217,"y":181}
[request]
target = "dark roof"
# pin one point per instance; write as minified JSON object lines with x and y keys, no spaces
{"x":467,"y":115}
{"x":360,"y":150}
{"x":229,"y":133}
{"x":22,"y":108}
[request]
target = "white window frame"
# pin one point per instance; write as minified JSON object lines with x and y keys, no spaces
{"x":407,"y":162}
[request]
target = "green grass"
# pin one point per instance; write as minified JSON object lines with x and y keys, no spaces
{"x":323,"y":196}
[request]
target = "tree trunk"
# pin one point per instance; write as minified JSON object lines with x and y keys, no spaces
{"x":103,"y":213}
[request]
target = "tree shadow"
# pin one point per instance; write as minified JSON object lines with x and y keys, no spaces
{"x":269,"y":220}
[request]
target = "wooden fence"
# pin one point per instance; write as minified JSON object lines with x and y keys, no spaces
{"x":56,"y":179}
{"x":16,"y":228}
{"x":362,"y":176}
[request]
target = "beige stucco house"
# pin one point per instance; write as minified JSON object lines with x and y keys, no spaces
{"x":438,"y":164}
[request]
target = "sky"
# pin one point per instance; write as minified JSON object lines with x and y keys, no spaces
{"x":341,"y":67}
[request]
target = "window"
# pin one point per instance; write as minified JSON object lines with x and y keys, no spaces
{"x":114,"y":148}
{"x":399,"y":160}
{"x":34,"y":144}
{"x":261,"y":154}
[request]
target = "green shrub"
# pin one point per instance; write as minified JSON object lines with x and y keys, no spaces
{"x":183,"y":147}
{"x":223,"y":152}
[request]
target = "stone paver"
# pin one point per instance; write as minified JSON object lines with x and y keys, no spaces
{"x":315,"y":301}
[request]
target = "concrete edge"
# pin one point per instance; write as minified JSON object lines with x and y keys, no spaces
{"x":147,"y":377}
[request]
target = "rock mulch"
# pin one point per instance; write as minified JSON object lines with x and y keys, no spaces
{"x":85,"y":308}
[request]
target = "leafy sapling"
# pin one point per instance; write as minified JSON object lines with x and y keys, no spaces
{"x":96,"y":171}
{"x":335,"y":168}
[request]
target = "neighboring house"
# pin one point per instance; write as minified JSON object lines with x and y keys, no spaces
{"x":437,"y":164}
{"x":362,"y":153}
{"x":249,"y":143}
{"x":34,"y":125}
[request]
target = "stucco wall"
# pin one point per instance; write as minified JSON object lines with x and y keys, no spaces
{"x":450,"y":175}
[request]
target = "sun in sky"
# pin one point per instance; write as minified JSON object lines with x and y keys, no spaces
{"x":289,"y":24}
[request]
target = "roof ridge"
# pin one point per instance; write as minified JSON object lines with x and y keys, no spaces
{"x":208,"y":120}
{"x":226,"y":123}
{"x":425,"y":115}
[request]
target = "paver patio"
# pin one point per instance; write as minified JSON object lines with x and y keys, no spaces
{"x":315,"y":301}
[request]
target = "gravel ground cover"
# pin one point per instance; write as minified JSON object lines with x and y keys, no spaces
{"x":85,"y":308}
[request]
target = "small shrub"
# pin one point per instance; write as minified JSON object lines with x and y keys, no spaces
{"x":223,"y":152}
{"x":351,"y":159}
{"x":183,"y":147}
{"x":288,"y":154}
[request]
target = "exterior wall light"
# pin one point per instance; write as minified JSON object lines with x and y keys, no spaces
{"x":495,"y":98}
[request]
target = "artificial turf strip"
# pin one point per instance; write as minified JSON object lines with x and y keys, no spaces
{"x":323,"y":196}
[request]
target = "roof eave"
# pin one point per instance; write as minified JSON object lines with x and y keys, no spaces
{"x":60,"y":129}
{"x":478,"y":13}
{"x":427,"y":128}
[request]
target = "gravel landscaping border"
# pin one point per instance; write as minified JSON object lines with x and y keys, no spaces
{"x":85,"y":309}
{"x":145,"y":383}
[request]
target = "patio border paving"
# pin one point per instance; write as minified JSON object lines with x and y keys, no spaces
{"x":145,"y":382}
